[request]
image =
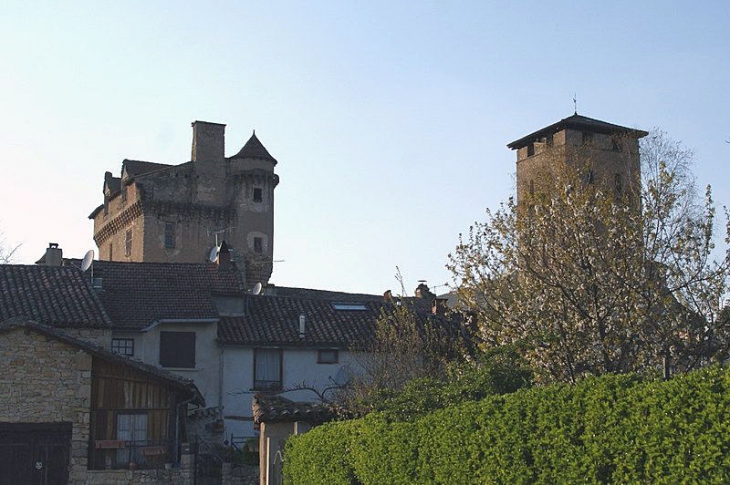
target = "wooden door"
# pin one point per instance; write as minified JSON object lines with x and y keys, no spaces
{"x":34,"y":453}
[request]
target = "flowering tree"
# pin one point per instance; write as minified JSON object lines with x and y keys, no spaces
{"x":590,"y":278}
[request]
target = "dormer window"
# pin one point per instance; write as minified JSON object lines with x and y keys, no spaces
{"x":258,"y":194}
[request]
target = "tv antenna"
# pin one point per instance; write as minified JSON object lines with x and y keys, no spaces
{"x":220,"y":231}
{"x":575,"y":103}
{"x":213,"y":255}
{"x":257,"y":288}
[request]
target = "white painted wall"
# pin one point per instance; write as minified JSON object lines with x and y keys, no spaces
{"x":299,"y":366}
{"x":206,"y":374}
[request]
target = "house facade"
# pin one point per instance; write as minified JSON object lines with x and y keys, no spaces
{"x":73,"y":412}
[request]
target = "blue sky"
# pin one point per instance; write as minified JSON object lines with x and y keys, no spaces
{"x":389,"y":119}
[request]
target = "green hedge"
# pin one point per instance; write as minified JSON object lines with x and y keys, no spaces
{"x":612,"y":429}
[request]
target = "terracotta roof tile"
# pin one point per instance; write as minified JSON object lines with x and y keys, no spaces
{"x":274,"y":408}
{"x":137,"y":294}
{"x":58,"y":296}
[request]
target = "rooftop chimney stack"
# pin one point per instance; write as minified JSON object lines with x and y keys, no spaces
{"x":209,"y":141}
{"x":53,"y":256}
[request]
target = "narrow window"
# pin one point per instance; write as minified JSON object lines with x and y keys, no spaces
{"x":111,"y":252}
{"x":267,"y":369}
{"x":123,"y":346}
{"x":169,"y":235}
{"x":258,"y":194}
{"x":124,"y":194}
{"x":106,"y":206}
{"x":128,"y":243}
{"x":132,"y":429}
{"x":177,"y":349}
{"x":258,"y":245}
{"x":530,"y":149}
{"x":532,"y":187}
{"x":549,"y":140}
{"x":327,"y":356}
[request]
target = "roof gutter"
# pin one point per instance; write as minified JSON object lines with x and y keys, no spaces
{"x":179,"y":320}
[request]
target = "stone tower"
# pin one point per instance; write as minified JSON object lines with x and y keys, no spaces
{"x":604,"y":153}
{"x":177,"y":213}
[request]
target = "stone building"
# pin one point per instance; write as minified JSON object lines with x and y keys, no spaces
{"x":156,"y":212}
{"x":604,"y":153}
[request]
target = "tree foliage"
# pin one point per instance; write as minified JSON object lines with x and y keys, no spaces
{"x":592,"y":278}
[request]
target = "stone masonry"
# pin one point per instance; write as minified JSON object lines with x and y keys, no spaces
{"x":50,"y":382}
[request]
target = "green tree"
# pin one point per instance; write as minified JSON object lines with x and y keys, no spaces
{"x":592,"y":279}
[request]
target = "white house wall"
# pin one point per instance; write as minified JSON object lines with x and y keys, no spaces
{"x":299,"y":367}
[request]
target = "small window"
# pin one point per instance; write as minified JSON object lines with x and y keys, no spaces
{"x":530,"y":149}
{"x":111,"y":252}
{"x":169,"y":235}
{"x":328,"y":356}
{"x":532,"y":187}
{"x":549,"y":140}
{"x":618,"y":183}
{"x":258,"y":245}
{"x":267,"y":375}
{"x":177,"y":349}
{"x":258,"y":194}
{"x":128,"y":243}
{"x":587,"y":138}
{"x":106,"y":206}
{"x":123,"y":346}
{"x":124,"y":194}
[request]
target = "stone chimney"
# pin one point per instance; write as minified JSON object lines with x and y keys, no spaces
{"x":209,"y":142}
{"x":224,"y":256}
{"x":53,"y":256}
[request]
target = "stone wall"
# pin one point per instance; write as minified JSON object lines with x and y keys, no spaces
{"x":50,"y":382}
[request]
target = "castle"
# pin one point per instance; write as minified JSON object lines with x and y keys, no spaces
{"x":606,"y":154}
{"x":181,"y":213}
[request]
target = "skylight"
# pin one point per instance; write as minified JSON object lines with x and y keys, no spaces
{"x":349,"y":306}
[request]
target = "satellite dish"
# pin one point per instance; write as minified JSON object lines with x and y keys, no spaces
{"x":88,"y":260}
{"x":257,"y":288}
{"x":213,"y":254}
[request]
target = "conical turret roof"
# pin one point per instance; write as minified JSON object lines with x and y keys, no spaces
{"x":254,"y":149}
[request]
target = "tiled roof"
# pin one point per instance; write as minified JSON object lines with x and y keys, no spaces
{"x":254,"y":149}
{"x":58,"y":296}
{"x":274,"y":320}
{"x":578,"y":122}
{"x":313,"y":294}
{"x":139,"y":167}
{"x":273,"y":408}
{"x":169,"y":378}
{"x":137,"y":294}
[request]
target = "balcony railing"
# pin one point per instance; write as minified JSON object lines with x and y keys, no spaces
{"x":121,"y":454}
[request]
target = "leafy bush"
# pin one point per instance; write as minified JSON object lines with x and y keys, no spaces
{"x":610,"y":429}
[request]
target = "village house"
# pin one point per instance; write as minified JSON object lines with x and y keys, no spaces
{"x":70,"y":409}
